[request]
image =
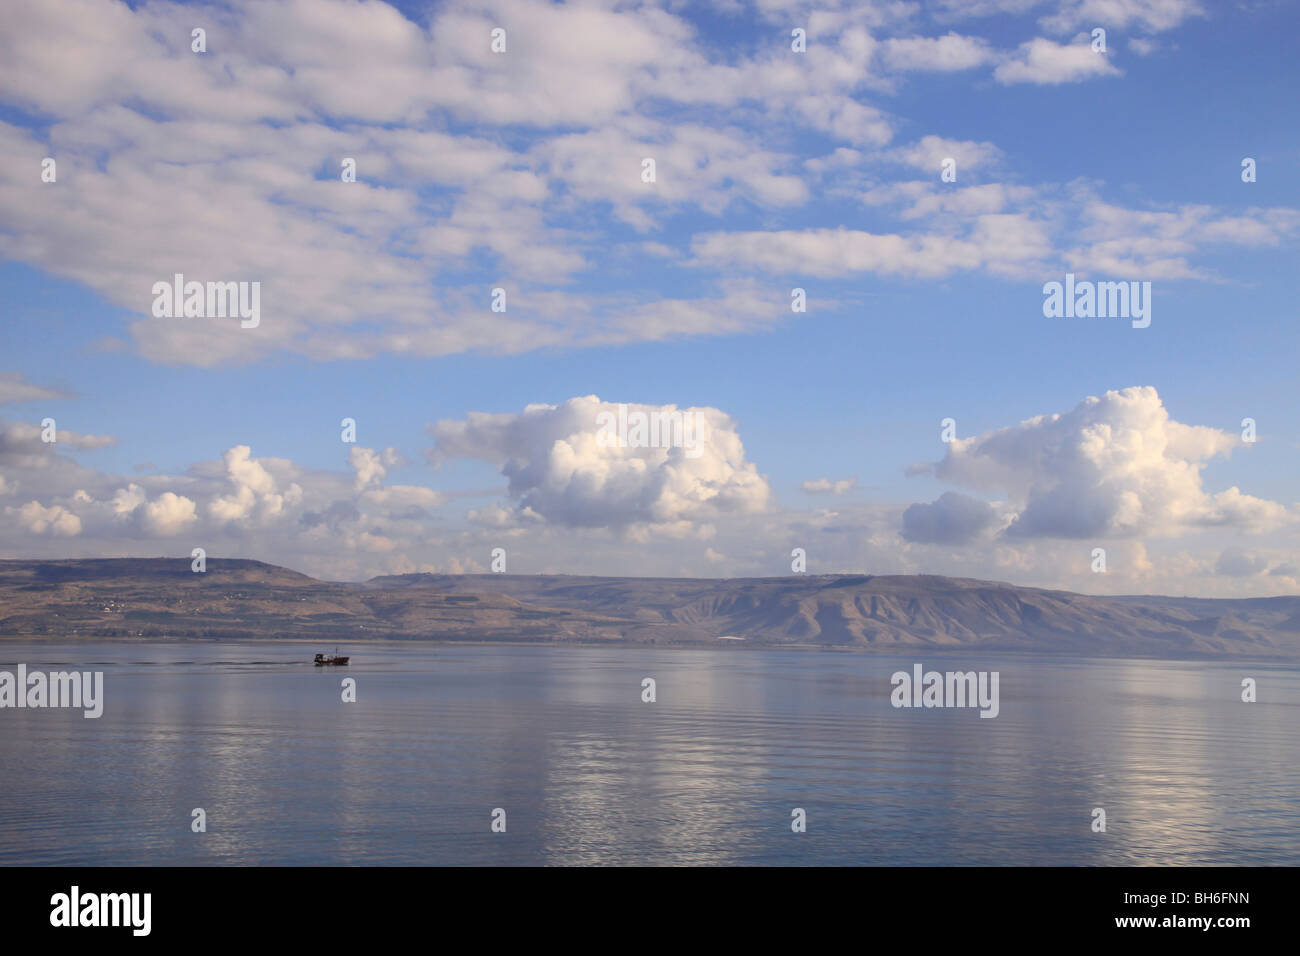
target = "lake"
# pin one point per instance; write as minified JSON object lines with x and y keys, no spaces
{"x":558,"y":737}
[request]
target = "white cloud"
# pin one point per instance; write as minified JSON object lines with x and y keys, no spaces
{"x":22,"y":445}
{"x":493,"y":516}
{"x":558,"y":468}
{"x":822,"y":486}
{"x":165,"y":515}
{"x":1155,"y":244}
{"x":1153,"y":15}
{"x":256,"y":498}
{"x":705,"y":167}
{"x":648,"y":511}
{"x":948,"y":53}
{"x":371,"y":466}
{"x":243,"y":504}
{"x":35,"y":518}
{"x":169,"y":514}
{"x":15,"y":388}
{"x":1043,"y":61}
{"x":225,"y":166}
{"x":1116,"y":466}
{"x":930,"y":151}
{"x":1008,"y":244}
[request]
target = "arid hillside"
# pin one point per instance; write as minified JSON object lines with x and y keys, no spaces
{"x":163,"y":598}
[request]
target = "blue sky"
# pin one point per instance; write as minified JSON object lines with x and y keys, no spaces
{"x":776,"y":170}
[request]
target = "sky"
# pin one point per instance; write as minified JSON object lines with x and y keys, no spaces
{"x":922,"y":171}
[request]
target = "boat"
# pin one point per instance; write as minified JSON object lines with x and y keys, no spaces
{"x":331,"y":660}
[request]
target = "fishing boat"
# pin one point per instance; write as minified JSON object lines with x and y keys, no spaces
{"x":331,"y":660}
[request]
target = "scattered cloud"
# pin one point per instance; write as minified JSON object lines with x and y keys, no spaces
{"x":948,"y":53}
{"x":823,"y":486}
{"x":1046,"y":62}
{"x":1152,"y":15}
{"x":14,"y":388}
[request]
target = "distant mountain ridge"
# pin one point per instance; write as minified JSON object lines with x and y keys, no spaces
{"x":234,"y":598}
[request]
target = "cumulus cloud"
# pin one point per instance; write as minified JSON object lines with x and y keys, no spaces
{"x":1153,"y":15}
{"x":493,"y":516}
{"x":930,"y":151}
{"x":1043,"y":61}
{"x":371,"y":466}
{"x":169,"y":514}
{"x":948,"y":53}
{"x":330,"y":522}
{"x":1115,"y":466}
{"x":952,"y":519}
{"x":55,"y":520}
{"x":563,"y":466}
{"x":671,"y":514}
{"x":255,"y":496}
{"x":474,"y":169}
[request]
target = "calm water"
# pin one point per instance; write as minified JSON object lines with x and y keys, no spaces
{"x":588,"y":774}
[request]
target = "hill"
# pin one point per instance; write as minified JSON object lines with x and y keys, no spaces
{"x":163,"y":598}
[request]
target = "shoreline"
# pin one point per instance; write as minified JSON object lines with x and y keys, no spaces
{"x":729,"y":646}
